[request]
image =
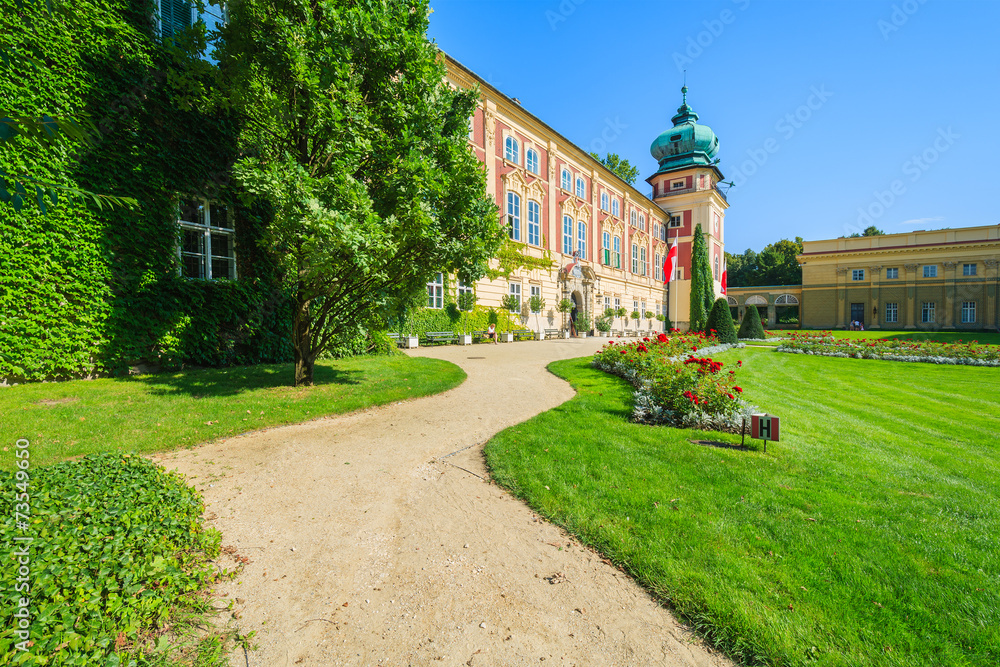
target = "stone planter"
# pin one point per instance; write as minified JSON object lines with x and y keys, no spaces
{"x":581,"y":335}
{"x":465,"y":339}
{"x":565,"y":334}
{"x":411,"y":342}
{"x":507,"y":337}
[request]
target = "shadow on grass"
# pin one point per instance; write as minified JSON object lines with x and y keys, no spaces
{"x":215,"y":382}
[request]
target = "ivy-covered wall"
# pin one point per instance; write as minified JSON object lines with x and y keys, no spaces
{"x":86,"y":291}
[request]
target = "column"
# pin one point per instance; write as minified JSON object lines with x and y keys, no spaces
{"x":949,"y":295}
{"x":911,"y":291}
{"x":772,"y":314}
{"x":990,"y":319}
{"x":841,"y":319}
{"x":876,"y":278}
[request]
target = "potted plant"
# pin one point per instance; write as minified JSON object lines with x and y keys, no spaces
{"x":662,"y":318}
{"x":466,"y":302}
{"x":635,"y":318}
{"x":583,"y":324}
{"x":603,"y":324}
{"x":536,"y":303}
{"x":408,"y":339}
{"x":564,"y":307}
{"x":621,"y":312}
{"x":649,"y":317}
{"x":512,"y":305}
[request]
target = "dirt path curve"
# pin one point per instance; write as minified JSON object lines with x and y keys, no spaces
{"x":369,"y":548}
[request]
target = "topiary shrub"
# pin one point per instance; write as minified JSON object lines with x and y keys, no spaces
{"x":751,"y":327}
{"x":722,"y":321}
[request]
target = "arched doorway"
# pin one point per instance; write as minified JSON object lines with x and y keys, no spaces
{"x":760,"y":303}
{"x":786,"y":309}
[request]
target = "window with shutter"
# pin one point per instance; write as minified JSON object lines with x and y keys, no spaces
{"x":175,"y":16}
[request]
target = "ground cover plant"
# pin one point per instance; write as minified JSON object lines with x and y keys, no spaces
{"x":867,"y":536}
{"x":119,"y":567}
{"x":776,"y":337}
{"x":894,"y":349}
{"x":674,"y":385}
{"x":149,"y":413}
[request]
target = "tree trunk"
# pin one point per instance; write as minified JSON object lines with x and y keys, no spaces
{"x":302,"y":343}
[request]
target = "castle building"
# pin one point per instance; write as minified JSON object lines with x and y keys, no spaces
{"x":610,"y":238}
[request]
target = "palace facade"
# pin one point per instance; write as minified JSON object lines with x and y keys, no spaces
{"x":607,"y":239}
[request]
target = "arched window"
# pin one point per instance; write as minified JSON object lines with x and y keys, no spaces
{"x":606,"y":247}
{"x":635,"y":258}
{"x":531,"y":161}
{"x":642,"y":222}
{"x":616,"y":250}
{"x":534,"y":223}
{"x":756,"y":300}
{"x":614,"y":207}
{"x":514,"y":216}
{"x":567,"y":244}
{"x":581,"y":188}
{"x":581,"y":239}
{"x":567,"y":181}
{"x":632,"y":219}
{"x":604,"y":201}
{"x":786,"y":300}
{"x":732,"y":301}
{"x":511,"y":150}
{"x":643,"y":265}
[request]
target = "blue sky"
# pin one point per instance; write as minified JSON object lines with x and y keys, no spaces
{"x":830,"y":115}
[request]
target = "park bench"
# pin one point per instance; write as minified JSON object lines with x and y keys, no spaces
{"x":553,"y":333}
{"x":431,"y":337}
{"x":479,"y":336}
{"x":629,"y":333}
{"x":523,"y":334}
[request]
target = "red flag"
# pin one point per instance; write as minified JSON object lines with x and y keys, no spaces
{"x":670,"y":264}
{"x":724,"y":278}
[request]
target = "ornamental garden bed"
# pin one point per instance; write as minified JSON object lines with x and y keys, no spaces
{"x":925,"y":351}
{"x":675,"y":386}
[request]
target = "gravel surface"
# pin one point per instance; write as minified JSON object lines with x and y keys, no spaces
{"x":375,"y":538}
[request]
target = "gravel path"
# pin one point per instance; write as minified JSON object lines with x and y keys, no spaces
{"x":373,"y":538}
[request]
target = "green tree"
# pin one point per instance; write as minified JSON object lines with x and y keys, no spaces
{"x":751,"y":327}
{"x":619,"y":165}
{"x":871,"y":230}
{"x":721,"y":320}
{"x":702,"y":292}
{"x":776,"y":264}
{"x":356,"y":140}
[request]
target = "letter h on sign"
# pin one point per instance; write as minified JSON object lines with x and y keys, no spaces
{"x":764,"y":427}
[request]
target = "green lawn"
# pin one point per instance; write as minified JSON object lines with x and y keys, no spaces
{"x":984,"y":337}
{"x":868,"y":536}
{"x":156,"y":412}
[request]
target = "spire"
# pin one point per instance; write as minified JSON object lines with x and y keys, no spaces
{"x":684,"y":112}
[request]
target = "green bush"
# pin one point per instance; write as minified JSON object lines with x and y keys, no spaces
{"x":422,"y":320}
{"x":751,"y":327}
{"x":118,"y":553}
{"x":721,"y":320}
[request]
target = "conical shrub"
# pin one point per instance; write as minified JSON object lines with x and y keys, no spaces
{"x":751,"y":327}
{"x":721,"y":320}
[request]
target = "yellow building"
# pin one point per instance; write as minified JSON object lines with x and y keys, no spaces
{"x":554,"y":197}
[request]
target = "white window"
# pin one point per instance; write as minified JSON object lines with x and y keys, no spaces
{"x":618,"y":303}
{"x":930,"y":270}
{"x":581,"y":239}
{"x":635,"y":306}
{"x":969,"y":270}
{"x":536,"y":290}
{"x":435,"y":291}
{"x":858,"y":274}
{"x":511,"y":150}
{"x":927,"y":311}
{"x":606,"y":247}
{"x":463,"y":289}
{"x":633,"y":218}
{"x":514,"y":216}
{"x":635,"y":258}
{"x":531,"y":161}
{"x":581,"y":188}
{"x":207,"y":249}
{"x":658,"y":267}
{"x":642,"y":309}
{"x":515,"y":291}
{"x":892,"y":312}
{"x":567,"y":244}
{"x":604,"y":201}
{"x":643,"y":265}
{"x":567,"y":181}
{"x":892,"y":274}
{"x":675,"y":221}
{"x":614,"y":207}
{"x":642,"y":222}
{"x":616,"y":247}
{"x":677,"y":185}
{"x":968,"y":311}
{"x":534,"y":223}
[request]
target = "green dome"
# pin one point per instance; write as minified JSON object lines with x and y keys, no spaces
{"x":687,"y":143}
